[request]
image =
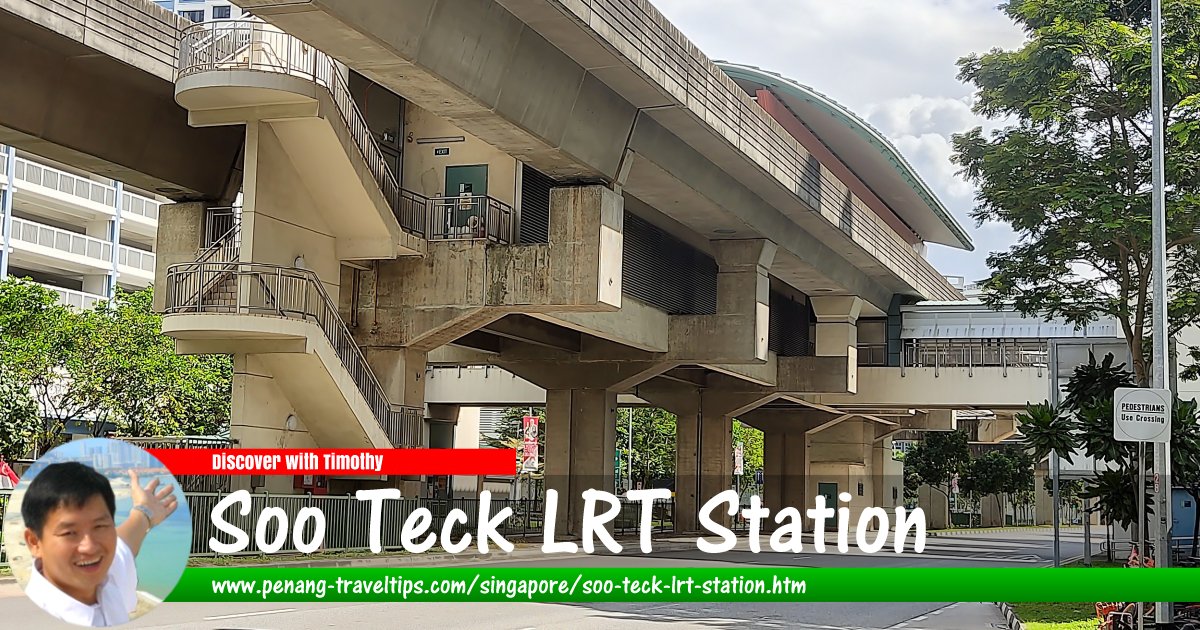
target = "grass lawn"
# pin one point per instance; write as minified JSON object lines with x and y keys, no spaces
{"x":5,"y":572}
{"x":1058,"y":616}
{"x":1064,"y":616}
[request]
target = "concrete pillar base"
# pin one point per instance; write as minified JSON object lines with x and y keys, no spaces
{"x":581,"y":435}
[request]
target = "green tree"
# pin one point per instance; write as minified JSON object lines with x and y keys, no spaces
{"x":988,"y":475}
{"x":1087,"y":417}
{"x":1071,"y":173}
{"x":20,"y":422}
{"x":938,"y":458}
{"x":146,"y":388}
{"x":41,"y":343}
{"x":653,"y":443}
{"x":109,"y":366}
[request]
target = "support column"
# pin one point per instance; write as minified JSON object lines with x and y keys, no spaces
{"x":737,"y":332}
{"x":401,"y":372}
{"x":180,"y":234}
{"x":783,"y":469}
{"x":703,"y":461}
{"x":581,"y":435}
{"x":262,"y":417}
{"x":837,"y":325}
{"x":716,"y":455}
{"x":687,"y":452}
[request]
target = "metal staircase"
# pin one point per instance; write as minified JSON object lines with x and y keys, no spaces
{"x":217,"y":283}
{"x":257,"y":46}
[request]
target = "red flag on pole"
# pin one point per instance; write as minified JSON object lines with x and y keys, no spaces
{"x":8,"y":478}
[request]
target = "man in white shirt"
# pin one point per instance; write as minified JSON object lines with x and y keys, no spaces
{"x":84,"y":571}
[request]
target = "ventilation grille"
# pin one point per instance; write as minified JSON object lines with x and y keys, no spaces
{"x":535,"y":206}
{"x":789,"y":331}
{"x":665,"y":272}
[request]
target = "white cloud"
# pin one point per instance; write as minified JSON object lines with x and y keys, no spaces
{"x":891,"y":61}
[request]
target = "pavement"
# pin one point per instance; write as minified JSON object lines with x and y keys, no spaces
{"x":996,"y":548}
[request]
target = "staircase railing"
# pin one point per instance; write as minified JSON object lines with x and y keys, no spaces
{"x":296,"y":294}
{"x":255,"y":45}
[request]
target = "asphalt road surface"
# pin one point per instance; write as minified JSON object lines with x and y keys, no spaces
{"x":1021,"y":548}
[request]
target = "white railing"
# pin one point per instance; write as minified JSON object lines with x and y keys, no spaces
{"x":62,"y":240}
{"x":132,"y":203}
{"x":255,"y":45}
{"x":64,"y":182}
{"x":136,"y":258}
{"x":77,"y":299}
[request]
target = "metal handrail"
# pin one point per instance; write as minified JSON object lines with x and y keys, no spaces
{"x":973,"y":353}
{"x":296,"y":294}
{"x":469,"y":217}
{"x":255,"y":45}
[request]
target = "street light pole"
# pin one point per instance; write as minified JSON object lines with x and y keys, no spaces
{"x":1162,"y":452}
{"x":629,"y":429}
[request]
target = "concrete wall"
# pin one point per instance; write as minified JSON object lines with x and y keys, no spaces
{"x":425,"y":173}
{"x":384,"y":112}
{"x":843,"y":454}
{"x":280,"y":219}
{"x":945,"y":387}
{"x":260,"y":412}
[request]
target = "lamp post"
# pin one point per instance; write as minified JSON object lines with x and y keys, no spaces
{"x":1162,"y":452}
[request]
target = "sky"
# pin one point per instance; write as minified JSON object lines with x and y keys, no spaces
{"x":890,"y":61}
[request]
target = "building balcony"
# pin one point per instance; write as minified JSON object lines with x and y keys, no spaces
{"x":139,"y":215}
{"x":135,"y":265}
{"x":76,"y":299}
{"x":43,"y":246}
{"x":61,"y":192}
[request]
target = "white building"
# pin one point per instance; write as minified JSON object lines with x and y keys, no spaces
{"x":76,"y":233}
{"x":202,"y":10}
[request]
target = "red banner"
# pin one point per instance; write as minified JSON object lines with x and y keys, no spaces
{"x":529,"y":459}
{"x":338,"y":461}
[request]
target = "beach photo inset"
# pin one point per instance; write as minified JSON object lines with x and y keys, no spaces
{"x":97,"y":532}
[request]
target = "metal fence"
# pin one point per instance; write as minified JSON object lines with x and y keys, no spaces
{"x":470,"y":217}
{"x":973,"y":353}
{"x":5,"y":496}
{"x":191,"y":483}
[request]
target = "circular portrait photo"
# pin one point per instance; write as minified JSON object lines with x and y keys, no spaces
{"x":97,"y":532}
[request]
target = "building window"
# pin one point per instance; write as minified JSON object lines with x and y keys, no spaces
{"x":221,"y":12}
{"x":195,"y":16}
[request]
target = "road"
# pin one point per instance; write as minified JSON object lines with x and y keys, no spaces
{"x":1021,"y":548}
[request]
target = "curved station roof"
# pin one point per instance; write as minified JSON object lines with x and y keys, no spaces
{"x":870,"y":155}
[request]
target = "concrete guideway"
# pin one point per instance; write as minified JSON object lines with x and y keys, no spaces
{"x":93,"y":89}
{"x":599,"y":211}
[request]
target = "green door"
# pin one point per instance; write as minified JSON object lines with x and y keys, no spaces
{"x":830,"y":492}
{"x":466,"y":179}
{"x":461,"y":180}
